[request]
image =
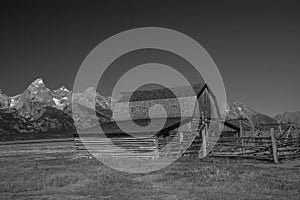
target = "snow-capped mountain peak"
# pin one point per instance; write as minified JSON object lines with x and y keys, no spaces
{"x":236,"y":109}
{"x":63,"y":88}
{"x":38,"y":82}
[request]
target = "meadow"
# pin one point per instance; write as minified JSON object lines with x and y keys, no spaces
{"x":187,"y":178}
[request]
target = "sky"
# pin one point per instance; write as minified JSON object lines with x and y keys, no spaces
{"x":254,"y":44}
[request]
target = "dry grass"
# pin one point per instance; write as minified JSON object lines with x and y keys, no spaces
{"x":188,"y":178}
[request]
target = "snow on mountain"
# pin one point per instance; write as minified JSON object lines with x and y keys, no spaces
{"x":84,"y":107}
{"x":14,"y":100}
{"x":35,"y":110}
{"x":64,"y":89}
{"x":35,"y":92}
{"x":91,"y":99}
{"x":236,"y":109}
{"x":62,"y":97}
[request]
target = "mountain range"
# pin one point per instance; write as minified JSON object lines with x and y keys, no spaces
{"x":236,"y":109}
{"x":289,"y":117}
{"x":39,"y":109}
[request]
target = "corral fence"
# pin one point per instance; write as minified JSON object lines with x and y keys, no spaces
{"x":273,"y":146}
{"x":262,"y":148}
{"x":189,"y":140}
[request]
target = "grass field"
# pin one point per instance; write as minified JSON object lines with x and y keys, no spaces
{"x":187,"y":178}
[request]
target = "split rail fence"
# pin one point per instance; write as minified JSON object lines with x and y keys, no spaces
{"x":262,"y":148}
{"x":197,"y":141}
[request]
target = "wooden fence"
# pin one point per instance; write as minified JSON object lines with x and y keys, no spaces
{"x":262,"y":148}
{"x":98,"y":146}
{"x":191,"y":140}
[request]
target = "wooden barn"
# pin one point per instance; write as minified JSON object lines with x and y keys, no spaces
{"x":190,"y":125}
{"x":190,"y":117}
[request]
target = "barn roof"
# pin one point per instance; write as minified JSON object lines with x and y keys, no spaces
{"x":164,"y":93}
{"x":136,"y":105}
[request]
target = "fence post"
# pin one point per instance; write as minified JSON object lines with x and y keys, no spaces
{"x":181,"y":142}
{"x":274,"y":147}
{"x":241,"y":127}
{"x":156,"y":143}
{"x":204,"y":142}
{"x":253,"y":129}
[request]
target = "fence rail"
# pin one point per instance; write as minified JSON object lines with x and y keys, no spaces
{"x":264,"y":148}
